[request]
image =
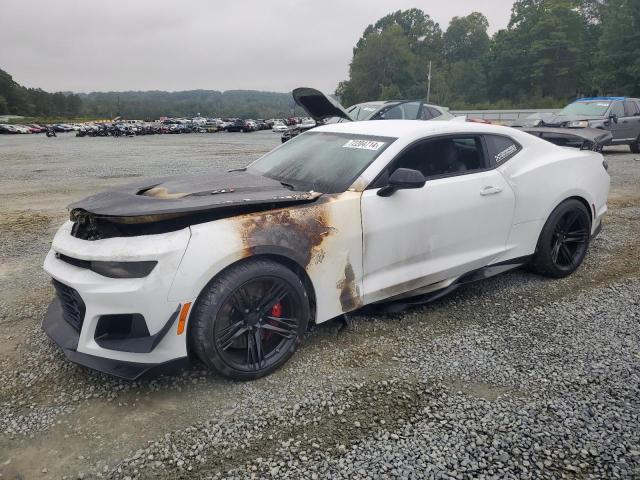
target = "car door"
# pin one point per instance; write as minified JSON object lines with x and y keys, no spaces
{"x":617,"y":127}
{"x":457,"y":222}
{"x":631,"y":120}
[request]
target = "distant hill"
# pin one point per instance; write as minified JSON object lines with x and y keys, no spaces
{"x":18,"y":100}
{"x":153,"y":104}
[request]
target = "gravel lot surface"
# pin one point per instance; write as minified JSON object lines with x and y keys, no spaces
{"x":515,"y":377}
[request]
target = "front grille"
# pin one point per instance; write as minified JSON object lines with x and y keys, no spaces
{"x":73,"y":308}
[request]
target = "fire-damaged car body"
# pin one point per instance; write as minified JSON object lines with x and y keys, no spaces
{"x":232,"y":267}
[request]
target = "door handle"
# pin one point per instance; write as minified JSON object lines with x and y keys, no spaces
{"x":490,"y":191}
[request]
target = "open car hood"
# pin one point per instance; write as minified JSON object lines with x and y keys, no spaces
{"x":583,"y":138}
{"x":228,"y":193}
{"x":318,"y":105}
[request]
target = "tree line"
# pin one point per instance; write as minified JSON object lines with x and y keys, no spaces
{"x":551,"y":52}
{"x":18,"y":100}
{"x":34,"y":102}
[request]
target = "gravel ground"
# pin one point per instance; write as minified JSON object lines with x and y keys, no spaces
{"x":515,"y":377}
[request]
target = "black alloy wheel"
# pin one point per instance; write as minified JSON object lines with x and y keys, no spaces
{"x":570,"y":239}
{"x":257,"y":324}
{"x":250,"y":320}
{"x":564,"y":240}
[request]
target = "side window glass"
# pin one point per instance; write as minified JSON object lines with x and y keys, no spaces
{"x":425,"y":114}
{"x":501,"y":148}
{"x":617,"y":109}
{"x":630,"y":108}
{"x":444,"y":156}
{"x":404,"y":111}
{"x":434,"y":112}
{"x":411,"y":110}
{"x":394,"y":113}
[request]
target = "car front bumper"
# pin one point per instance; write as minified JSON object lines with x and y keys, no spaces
{"x":66,"y":337}
{"x":88,"y":304}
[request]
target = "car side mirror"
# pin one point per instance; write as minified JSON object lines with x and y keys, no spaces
{"x":402,"y":179}
{"x":613,"y":117}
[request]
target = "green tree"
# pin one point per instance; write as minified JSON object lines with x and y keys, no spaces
{"x":4,"y":106}
{"x":618,"y":49}
{"x":466,"y":44}
{"x":384,"y":64}
{"x":544,"y":52}
{"x":467,"y":39}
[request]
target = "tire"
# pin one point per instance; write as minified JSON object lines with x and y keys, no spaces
{"x":635,"y":147}
{"x":564,"y":240}
{"x":225,"y":326}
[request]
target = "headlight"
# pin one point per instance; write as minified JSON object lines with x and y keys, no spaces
{"x":579,"y":124}
{"x":123,"y":269}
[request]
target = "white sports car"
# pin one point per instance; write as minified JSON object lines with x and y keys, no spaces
{"x":232,"y":267}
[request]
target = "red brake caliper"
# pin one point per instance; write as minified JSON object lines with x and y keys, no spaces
{"x":276,"y":311}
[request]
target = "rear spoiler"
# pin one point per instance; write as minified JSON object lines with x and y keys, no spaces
{"x":582,"y":138}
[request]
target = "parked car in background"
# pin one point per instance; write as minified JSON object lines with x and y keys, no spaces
{"x":279,"y":127}
{"x":619,"y":115}
{"x":239,"y":125}
{"x":306,"y":125}
{"x":324,"y":109}
{"x":6,"y":128}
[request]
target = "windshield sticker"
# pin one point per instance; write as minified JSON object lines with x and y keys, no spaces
{"x":505,"y":153}
{"x":602,"y":104}
{"x":364,"y":144}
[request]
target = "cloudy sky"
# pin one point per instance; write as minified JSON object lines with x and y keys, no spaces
{"x":276,"y":45}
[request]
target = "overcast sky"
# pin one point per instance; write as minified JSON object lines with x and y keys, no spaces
{"x":276,"y":45}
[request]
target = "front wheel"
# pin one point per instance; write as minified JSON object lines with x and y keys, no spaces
{"x":250,"y":320}
{"x":635,"y":147}
{"x":564,"y":240}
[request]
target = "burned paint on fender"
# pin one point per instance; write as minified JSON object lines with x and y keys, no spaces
{"x":325,"y":238}
{"x":301,"y":230}
{"x":350,"y":298}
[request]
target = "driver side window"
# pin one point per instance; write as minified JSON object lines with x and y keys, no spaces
{"x":447,"y":156}
{"x":617,"y":109}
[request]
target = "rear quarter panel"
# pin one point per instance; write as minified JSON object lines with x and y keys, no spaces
{"x":542,"y":176}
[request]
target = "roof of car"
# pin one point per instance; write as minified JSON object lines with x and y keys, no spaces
{"x":412,"y":128}
{"x":592,"y":99}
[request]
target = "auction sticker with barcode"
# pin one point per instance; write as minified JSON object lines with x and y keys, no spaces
{"x":364,"y":144}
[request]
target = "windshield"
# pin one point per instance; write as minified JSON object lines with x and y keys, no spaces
{"x":321,"y":161}
{"x":588,"y":109}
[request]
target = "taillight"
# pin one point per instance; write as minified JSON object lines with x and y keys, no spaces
{"x":605,"y":164}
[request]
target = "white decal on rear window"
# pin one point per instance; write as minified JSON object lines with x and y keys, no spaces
{"x":364,"y":144}
{"x":603,"y":104}
{"x":511,"y":149}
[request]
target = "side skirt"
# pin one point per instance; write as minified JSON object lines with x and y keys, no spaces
{"x":394,"y":306}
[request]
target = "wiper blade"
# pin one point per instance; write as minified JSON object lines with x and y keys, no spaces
{"x":287,"y":185}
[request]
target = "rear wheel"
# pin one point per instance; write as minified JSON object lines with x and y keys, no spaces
{"x":635,"y":147}
{"x":250,"y":320}
{"x":564,"y":240}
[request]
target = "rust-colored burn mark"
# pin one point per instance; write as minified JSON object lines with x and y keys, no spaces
{"x":300,"y":230}
{"x":349,"y":292}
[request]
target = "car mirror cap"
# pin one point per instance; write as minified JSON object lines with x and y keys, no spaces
{"x":402,"y":179}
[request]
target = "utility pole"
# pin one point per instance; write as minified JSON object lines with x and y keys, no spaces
{"x":429,"y":83}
